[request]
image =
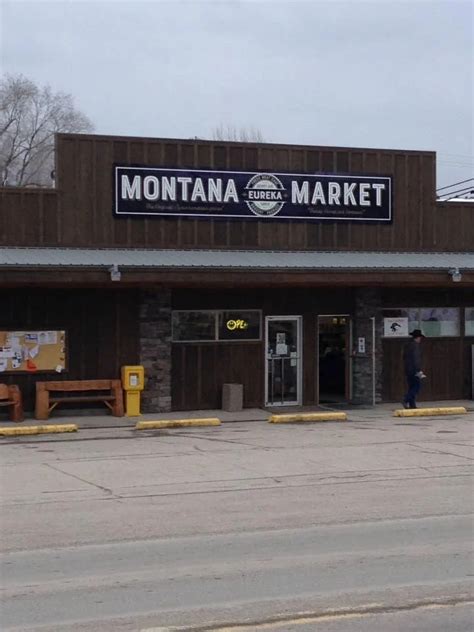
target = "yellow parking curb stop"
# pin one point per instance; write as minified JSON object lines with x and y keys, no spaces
{"x":428,"y":412}
{"x":177,"y":423}
{"x":34,"y":430}
{"x":283,"y":419}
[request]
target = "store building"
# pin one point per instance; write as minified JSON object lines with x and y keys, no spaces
{"x":296,"y":271}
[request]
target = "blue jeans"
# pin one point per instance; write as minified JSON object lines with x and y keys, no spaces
{"x":414,"y":384}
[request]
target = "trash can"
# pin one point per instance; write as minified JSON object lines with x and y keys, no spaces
{"x":232,"y":397}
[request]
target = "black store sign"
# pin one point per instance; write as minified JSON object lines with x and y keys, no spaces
{"x":251,"y":195}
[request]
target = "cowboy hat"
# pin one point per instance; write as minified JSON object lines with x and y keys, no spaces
{"x":417,"y":333}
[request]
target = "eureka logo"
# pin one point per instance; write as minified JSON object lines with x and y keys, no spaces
{"x":265,"y":194}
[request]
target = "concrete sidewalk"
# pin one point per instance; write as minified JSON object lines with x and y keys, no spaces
{"x":96,"y":421}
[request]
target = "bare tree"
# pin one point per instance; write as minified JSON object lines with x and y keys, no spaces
{"x":30,"y":116}
{"x":233,"y":133}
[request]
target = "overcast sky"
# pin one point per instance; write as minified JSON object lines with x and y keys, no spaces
{"x":394,"y":74}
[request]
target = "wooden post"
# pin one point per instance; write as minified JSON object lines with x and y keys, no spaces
{"x":42,"y":401}
{"x":17,"y":403}
{"x":117,"y":409}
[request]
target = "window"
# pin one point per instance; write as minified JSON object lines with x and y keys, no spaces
{"x":439,"y":321}
{"x":469,"y":321}
{"x":193,"y":326}
{"x":239,"y":325}
{"x":214,"y":326}
{"x":434,"y":322}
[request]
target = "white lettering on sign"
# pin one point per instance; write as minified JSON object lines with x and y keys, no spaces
{"x":318,"y":194}
{"x":349,"y":194}
{"x":378,"y":193}
{"x":336,"y":196}
{"x":215,"y":189}
{"x":364,"y":193}
{"x":131,"y":191}
{"x":198,"y":191}
{"x":299,"y":196}
{"x":168,"y":189}
{"x":184,"y":182}
{"x":151,"y":188}
{"x":334,"y":193}
{"x":186,"y":189}
{"x":231,"y":192}
{"x":265,"y":194}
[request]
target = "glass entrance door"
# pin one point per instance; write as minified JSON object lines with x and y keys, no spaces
{"x":283,"y":360}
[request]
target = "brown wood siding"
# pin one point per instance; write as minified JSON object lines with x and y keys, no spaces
{"x":80,"y":212}
{"x":446,"y":361}
{"x":454,"y":226}
{"x":29,"y":217}
{"x":101,"y":331}
{"x":200,"y":370}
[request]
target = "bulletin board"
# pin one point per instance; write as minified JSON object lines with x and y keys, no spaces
{"x":32,"y":351}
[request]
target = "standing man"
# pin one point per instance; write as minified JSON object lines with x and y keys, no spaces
{"x":412,"y":364}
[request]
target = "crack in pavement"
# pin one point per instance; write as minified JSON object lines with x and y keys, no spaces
{"x":126,"y":497}
{"x":107,"y":490}
{"x":334,"y":614}
{"x":427,"y":451}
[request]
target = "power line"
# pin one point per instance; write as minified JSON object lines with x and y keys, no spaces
{"x":456,"y":194}
{"x":464,"y":195}
{"x":449,"y":186}
{"x":463,"y":190}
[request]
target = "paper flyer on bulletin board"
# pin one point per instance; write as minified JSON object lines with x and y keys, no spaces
{"x":32,"y":351}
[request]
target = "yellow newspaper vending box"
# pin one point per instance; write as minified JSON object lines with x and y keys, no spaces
{"x":133,"y":381}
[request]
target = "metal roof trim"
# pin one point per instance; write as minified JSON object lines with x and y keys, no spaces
{"x":97,"y":258}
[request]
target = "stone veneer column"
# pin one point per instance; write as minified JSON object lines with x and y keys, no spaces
{"x":367,"y":304}
{"x":155,"y":349}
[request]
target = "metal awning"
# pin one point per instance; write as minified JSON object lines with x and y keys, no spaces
{"x":152,"y":259}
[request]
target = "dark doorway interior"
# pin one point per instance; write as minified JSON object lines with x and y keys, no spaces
{"x":333,"y":344}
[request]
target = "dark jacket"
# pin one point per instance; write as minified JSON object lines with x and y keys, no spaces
{"x":412,"y":357}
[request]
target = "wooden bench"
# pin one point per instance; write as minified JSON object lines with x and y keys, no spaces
{"x":11,"y":396}
{"x":51,"y":394}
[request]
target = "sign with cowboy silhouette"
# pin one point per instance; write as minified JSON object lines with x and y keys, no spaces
{"x":395,"y":327}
